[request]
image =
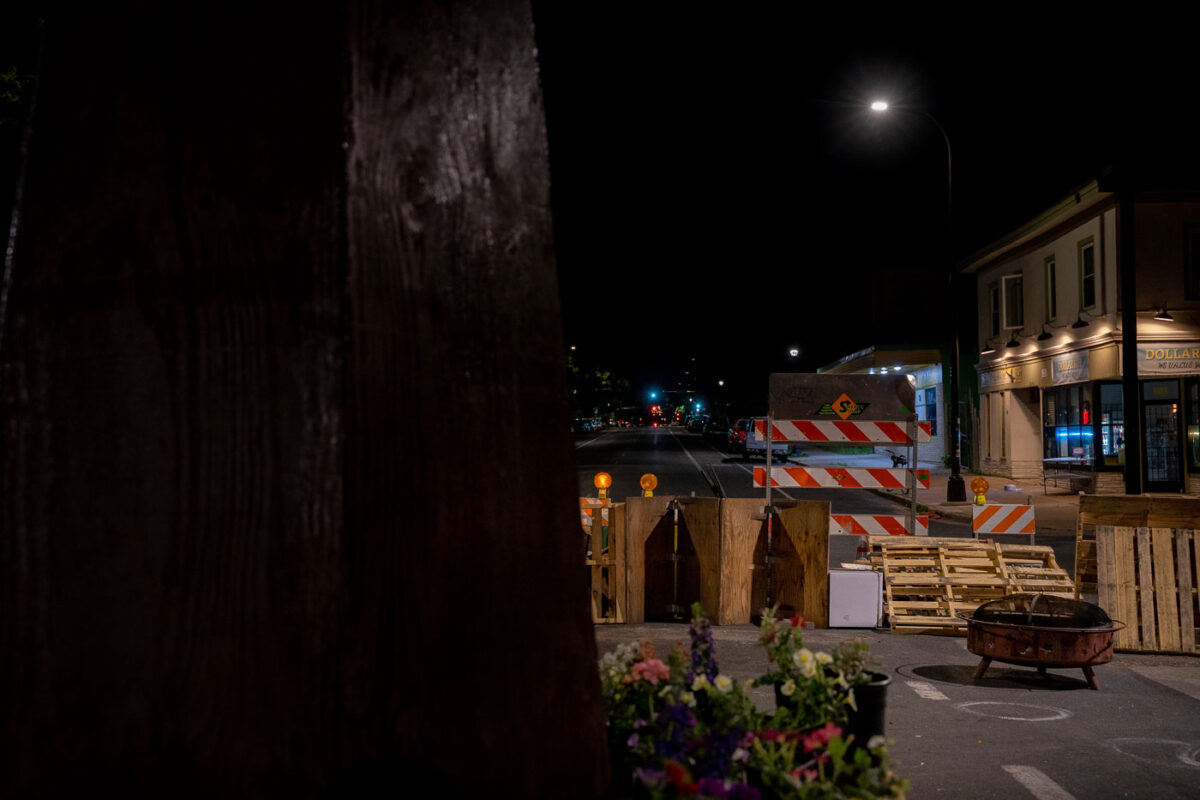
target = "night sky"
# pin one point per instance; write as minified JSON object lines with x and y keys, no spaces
{"x":720,"y":191}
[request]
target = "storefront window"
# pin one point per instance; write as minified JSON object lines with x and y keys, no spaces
{"x":1192,"y":391}
{"x":1112,"y":424}
{"x":1068,"y":423}
{"x":927,"y":408}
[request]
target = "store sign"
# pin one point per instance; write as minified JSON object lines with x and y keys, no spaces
{"x":1071,"y":368}
{"x":1176,"y":359}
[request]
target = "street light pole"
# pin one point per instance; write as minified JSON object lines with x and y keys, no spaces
{"x":955,"y":487}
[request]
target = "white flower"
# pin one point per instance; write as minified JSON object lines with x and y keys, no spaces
{"x":824,"y":658}
{"x":740,"y":755}
{"x":875,"y":742}
{"x":802,"y":656}
{"x":689,"y":698}
{"x":788,"y":688}
{"x":724,"y":683}
{"x":809,"y":668}
{"x":701,"y":683}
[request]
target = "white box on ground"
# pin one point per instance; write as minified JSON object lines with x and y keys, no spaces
{"x":855,"y":598}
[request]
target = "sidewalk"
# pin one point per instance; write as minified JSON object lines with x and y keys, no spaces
{"x":1055,"y":512}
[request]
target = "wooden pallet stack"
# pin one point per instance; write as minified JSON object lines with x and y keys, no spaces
{"x":1148,"y":580}
{"x":928,"y":582}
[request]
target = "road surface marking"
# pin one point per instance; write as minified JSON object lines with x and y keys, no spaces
{"x":1015,"y":711}
{"x":695,"y":463}
{"x":1159,"y":750}
{"x":1037,"y":782}
{"x":926,"y":690}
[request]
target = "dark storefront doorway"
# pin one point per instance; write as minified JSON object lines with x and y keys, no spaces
{"x":1163,"y":436}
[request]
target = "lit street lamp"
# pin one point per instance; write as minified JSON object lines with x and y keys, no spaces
{"x":955,"y":488}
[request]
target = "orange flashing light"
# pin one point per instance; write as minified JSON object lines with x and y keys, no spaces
{"x":648,"y":483}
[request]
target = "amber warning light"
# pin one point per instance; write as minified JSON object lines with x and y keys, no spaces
{"x":648,"y":483}
{"x":602,"y":481}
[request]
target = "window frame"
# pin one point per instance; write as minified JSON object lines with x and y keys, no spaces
{"x":1006,"y":281}
{"x":1084,"y":246}
{"x":995,"y":312}
{"x":1051,"y":271}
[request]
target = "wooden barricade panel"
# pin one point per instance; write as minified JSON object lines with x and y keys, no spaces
{"x":702,"y":520}
{"x":739,"y":535}
{"x":807,"y":526}
{"x":1131,"y":511}
{"x":1146,"y":579}
{"x":801,"y":575}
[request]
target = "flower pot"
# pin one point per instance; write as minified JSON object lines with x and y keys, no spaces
{"x":868,"y":718}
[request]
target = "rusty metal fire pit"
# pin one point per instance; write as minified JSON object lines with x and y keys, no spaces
{"x":1043,"y":631}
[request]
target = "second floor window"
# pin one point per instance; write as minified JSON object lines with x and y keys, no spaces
{"x":994,"y":300}
{"x":1014,"y":302}
{"x":1051,"y":289}
{"x":1087,"y":274}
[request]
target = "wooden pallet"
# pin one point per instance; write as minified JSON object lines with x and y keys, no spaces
{"x":929,"y":582}
{"x":604,"y":532}
{"x":1133,"y":511}
{"x":1147,"y":578}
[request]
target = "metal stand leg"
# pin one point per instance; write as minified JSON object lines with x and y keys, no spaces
{"x":982,"y":668}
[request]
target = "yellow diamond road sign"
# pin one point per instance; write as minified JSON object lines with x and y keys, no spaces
{"x":844,"y":406}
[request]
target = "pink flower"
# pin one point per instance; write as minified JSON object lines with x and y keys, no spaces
{"x":821,"y":736}
{"x":797,"y":620}
{"x":804,"y":774}
{"x":651,"y":670}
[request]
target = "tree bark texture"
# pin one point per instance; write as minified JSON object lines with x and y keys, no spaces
{"x":288,"y":490}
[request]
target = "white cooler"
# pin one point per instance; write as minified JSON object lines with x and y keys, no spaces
{"x":855,"y":598}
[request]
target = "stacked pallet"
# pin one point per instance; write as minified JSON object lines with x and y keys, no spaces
{"x":928,"y":582}
{"x":1148,"y":579}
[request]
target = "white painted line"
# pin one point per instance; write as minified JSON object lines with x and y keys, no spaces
{"x":926,"y":690}
{"x":1037,"y":782}
{"x":691,"y":457}
{"x":1016,"y":712}
{"x":589,"y":441}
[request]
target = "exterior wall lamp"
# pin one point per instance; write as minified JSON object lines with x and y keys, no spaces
{"x":1164,"y":316}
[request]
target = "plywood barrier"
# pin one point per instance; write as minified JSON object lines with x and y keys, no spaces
{"x":700,"y":533}
{"x":1133,"y":511}
{"x":1147,"y":578}
{"x":605,"y":537}
{"x":799,"y":573}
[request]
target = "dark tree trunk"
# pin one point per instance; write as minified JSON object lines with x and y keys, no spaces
{"x":287,"y":489}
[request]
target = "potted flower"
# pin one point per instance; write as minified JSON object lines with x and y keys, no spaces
{"x":867,"y":687}
{"x":806,"y":686}
{"x":680,"y":728}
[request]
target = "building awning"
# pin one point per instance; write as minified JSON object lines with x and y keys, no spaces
{"x":885,"y":359}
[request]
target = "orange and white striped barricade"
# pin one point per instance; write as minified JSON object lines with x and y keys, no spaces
{"x":840,"y":431}
{"x":1002,"y":518}
{"x":842,"y":477}
{"x":876,"y":524}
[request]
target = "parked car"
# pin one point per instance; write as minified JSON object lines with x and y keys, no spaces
{"x":717,"y":428}
{"x":696,"y":424}
{"x":758,"y":447}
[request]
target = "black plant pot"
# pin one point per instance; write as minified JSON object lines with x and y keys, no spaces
{"x":869,"y":718}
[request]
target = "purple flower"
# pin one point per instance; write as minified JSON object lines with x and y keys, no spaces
{"x":649,"y":777}
{"x":726,"y":789}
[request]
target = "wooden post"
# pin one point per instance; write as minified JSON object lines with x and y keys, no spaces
{"x":282,"y":269}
